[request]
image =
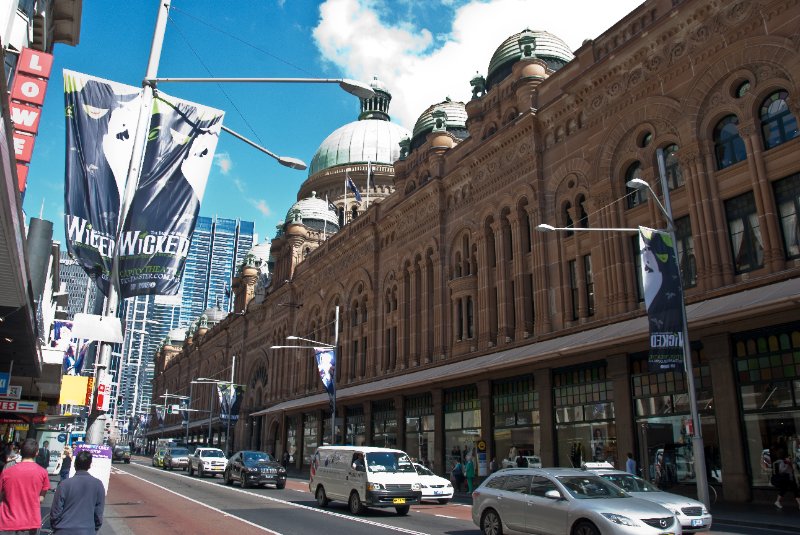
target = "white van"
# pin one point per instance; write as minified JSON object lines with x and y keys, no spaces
{"x":364,"y":477}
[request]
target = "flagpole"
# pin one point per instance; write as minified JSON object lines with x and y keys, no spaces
{"x":95,"y":427}
{"x":230,"y":400}
{"x":369,"y":167}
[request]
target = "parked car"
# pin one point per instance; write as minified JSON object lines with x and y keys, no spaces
{"x":534,"y":461}
{"x":692,"y":514}
{"x":251,"y":468}
{"x":564,"y":501}
{"x":121,"y":454}
{"x":207,"y":461}
{"x":176,"y":458}
{"x":158,"y":458}
{"x":434,"y":487}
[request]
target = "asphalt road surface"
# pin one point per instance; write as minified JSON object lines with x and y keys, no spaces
{"x":146,"y":500}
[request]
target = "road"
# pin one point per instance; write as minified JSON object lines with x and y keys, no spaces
{"x":146,"y":500}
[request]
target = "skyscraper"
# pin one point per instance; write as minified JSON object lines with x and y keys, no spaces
{"x":218,"y":246}
{"x":79,"y":286}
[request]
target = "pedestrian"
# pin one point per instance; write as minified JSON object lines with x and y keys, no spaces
{"x":43,"y":456}
{"x":522,"y":462}
{"x":493,"y":465}
{"x":783,"y":479}
{"x":285,"y":461}
{"x":79,"y":501}
{"x":458,"y":475}
{"x":22,"y":490}
{"x":470,"y":474}
{"x":66,"y":463}
{"x":630,"y":464}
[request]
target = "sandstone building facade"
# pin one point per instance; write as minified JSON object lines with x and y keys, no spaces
{"x":461,"y":327}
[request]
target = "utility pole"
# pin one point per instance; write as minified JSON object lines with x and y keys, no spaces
{"x":231,"y":388}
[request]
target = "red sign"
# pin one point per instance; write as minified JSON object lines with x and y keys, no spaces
{"x":102,"y":398}
{"x":29,"y":87}
{"x":89,"y":390}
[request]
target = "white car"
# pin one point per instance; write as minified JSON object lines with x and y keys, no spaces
{"x":207,"y":461}
{"x":692,"y":514}
{"x":434,"y":487}
{"x":534,"y":461}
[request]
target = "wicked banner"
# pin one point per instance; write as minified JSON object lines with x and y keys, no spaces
{"x":663,"y":296}
{"x":154,"y":241}
{"x":230,"y":399}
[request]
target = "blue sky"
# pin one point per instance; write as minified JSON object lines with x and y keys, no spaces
{"x":422,"y":51}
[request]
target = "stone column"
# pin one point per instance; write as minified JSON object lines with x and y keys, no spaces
{"x":542,"y":322}
{"x":544,"y":386}
{"x":618,"y":372}
{"x":437,"y":397}
{"x":723,"y":270}
{"x":400,"y":416}
{"x":485,"y":395}
{"x":368,"y":424}
{"x":440,"y":300}
{"x":774,"y":257}
{"x":414,"y":311}
{"x":735,"y":481}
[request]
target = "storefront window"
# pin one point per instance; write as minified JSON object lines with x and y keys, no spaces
{"x":310,"y":437}
{"x":663,"y":420}
{"x":384,"y":424}
{"x":768,"y":370}
{"x":291,"y":438}
{"x":462,"y":424}
{"x":356,"y":430}
{"x":515,"y":406}
{"x":420,"y":430}
{"x":584,"y":411}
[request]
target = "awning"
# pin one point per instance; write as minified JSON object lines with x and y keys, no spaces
{"x":775,"y":297}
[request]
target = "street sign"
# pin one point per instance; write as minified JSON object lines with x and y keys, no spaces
{"x":27,"y":407}
{"x":14,"y":392}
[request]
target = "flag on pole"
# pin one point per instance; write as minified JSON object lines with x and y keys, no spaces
{"x":370,"y":176}
{"x":663,"y":296}
{"x":326,"y":365}
{"x":160,"y":415}
{"x":352,"y":187}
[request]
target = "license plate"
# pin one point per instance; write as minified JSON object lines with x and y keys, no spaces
{"x":697,"y":522}
{"x":398,"y":500}
{"x":437,"y":492}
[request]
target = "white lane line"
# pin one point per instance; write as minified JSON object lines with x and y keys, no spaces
{"x":445,"y":516}
{"x":207,"y":506}
{"x":288,"y":503}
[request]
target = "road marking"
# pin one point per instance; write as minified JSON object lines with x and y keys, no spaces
{"x":445,"y":516}
{"x":282,"y":502}
{"x":206,"y":505}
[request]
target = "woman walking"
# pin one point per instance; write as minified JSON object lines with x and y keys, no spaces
{"x":783,"y":479}
{"x":66,"y":463}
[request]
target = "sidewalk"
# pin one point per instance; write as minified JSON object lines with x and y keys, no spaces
{"x":112,"y":525}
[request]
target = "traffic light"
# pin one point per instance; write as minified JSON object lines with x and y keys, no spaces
{"x":169,"y":409}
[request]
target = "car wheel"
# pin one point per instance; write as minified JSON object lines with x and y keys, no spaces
{"x":443,"y":501}
{"x":127,"y":461}
{"x":163,"y":466}
{"x":280,"y":485}
{"x":403,"y":510}
{"x":226,"y":478}
{"x":356,"y":507}
{"x":322,"y":499}
{"x":191,"y":470}
{"x":585,"y":528}
{"x":244,"y":482}
{"x":201,"y":472}
{"x":491,"y":524}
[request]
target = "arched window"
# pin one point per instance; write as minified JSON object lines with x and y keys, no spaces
{"x":568,"y":222}
{"x":778,"y":125}
{"x":672,"y":167}
{"x":634,"y":196}
{"x":728,"y":145}
{"x":583,"y":217}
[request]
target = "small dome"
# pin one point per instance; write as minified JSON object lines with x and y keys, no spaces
{"x":175,"y":337}
{"x":261,"y":250}
{"x":214,"y":315}
{"x":456,"y":121}
{"x":549,"y":48}
{"x":314,"y":213}
{"x":372,"y":140}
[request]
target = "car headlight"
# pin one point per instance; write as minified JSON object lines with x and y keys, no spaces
{"x":415,"y":486}
{"x":374,"y":486}
{"x":423,"y":486}
{"x":619,"y":519}
{"x":281,"y":470}
{"x":449,"y":485}
{"x":705,"y":511}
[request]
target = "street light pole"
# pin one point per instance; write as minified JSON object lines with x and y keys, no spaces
{"x":189,"y":412}
{"x":230,"y":399}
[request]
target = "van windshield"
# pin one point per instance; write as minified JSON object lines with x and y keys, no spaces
{"x":389,"y":461}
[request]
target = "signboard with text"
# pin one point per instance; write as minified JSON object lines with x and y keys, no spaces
{"x":27,"y":407}
{"x":14,"y":392}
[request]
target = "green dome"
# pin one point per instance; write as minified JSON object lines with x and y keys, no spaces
{"x":456,"y":121}
{"x":373,"y":138}
{"x":549,"y":48}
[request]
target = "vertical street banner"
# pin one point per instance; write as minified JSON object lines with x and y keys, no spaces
{"x":160,"y":411}
{"x":326,"y":365}
{"x":184,"y":411}
{"x":230,"y":400}
{"x":663,"y":296}
{"x":154,"y":241}
{"x":101,"y":124}
{"x":152,"y":245}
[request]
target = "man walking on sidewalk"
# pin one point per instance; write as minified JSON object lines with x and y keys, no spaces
{"x":79,"y":501}
{"x":22,"y":489}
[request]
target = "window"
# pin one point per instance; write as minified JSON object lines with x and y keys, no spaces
{"x":672,"y":167}
{"x":686,"y":259}
{"x":744,"y":233}
{"x":728,"y":145}
{"x":518,"y":483}
{"x":568,"y":223}
{"x":583,"y":218}
{"x":787,"y":197}
{"x":573,"y":289}
{"x":587,"y":274}
{"x":645,"y":140}
{"x":742,"y":89}
{"x":778,"y":125}
{"x":634,"y":196}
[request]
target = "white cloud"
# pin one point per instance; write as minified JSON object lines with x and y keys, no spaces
{"x":238,"y":183}
{"x":262,"y":206}
{"x":223,"y":161}
{"x":420,"y":70}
